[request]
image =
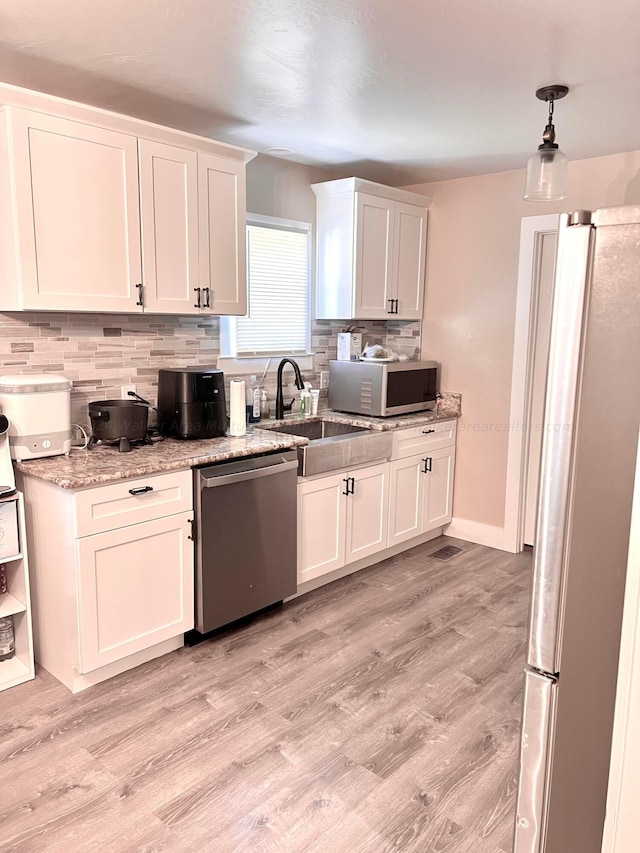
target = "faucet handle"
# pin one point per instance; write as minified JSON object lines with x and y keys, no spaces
{"x":288,"y":407}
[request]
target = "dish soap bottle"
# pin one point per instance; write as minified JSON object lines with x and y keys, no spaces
{"x":253,"y":401}
{"x":265,"y":414}
{"x":305,"y":401}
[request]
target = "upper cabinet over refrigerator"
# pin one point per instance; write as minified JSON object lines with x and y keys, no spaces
{"x":102,"y":212}
{"x":371,"y":251}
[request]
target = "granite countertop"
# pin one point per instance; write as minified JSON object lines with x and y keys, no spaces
{"x":104,"y":464}
{"x":449,"y":408}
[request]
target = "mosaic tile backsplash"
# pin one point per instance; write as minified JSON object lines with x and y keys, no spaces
{"x":103,"y":352}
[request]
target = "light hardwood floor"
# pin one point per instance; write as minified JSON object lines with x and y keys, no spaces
{"x":379,"y":713}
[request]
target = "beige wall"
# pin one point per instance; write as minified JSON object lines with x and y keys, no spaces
{"x":278,"y":187}
{"x":469,"y":316}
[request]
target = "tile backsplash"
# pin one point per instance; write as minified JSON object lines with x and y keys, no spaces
{"x":101,"y":352}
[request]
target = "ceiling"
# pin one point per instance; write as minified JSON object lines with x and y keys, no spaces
{"x":400,"y":91}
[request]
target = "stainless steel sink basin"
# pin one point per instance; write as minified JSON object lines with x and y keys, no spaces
{"x":317,"y":430}
{"x":335,"y":445}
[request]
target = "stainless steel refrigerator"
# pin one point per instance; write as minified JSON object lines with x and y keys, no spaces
{"x":590,"y":440}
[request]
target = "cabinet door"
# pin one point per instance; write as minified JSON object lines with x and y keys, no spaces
{"x":77,"y":212}
{"x":169,"y":221}
{"x":373,"y":260}
{"x":222,"y":229}
{"x":321,"y":526}
{"x":410,"y":246}
{"x":406,"y":496}
{"x":135,"y":588}
{"x":367,"y":512}
{"x":438,"y":499}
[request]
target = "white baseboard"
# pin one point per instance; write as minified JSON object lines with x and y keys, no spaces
{"x":475,"y":531}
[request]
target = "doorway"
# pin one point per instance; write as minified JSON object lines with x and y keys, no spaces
{"x":538,"y":243}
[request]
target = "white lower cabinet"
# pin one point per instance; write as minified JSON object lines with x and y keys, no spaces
{"x":113,"y":571}
{"x":421,"y":494}
{"x":135,"y":588}
{"x":348,"y":516}
{"x":341,"y":518}
{"x":367,"y":511}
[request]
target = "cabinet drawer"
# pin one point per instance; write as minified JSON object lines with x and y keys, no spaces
{"x":132,"y":501}
{"x":420,"y":439}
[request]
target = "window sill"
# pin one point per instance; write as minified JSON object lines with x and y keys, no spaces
{"x":249,"y":366}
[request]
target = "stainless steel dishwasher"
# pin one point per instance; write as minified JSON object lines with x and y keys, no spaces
{"x":245,"y":535}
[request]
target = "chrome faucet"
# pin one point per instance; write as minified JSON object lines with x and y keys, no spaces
{"x":280,"y":407}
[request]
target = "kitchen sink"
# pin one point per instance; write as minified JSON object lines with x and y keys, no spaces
{"x":335,"y":445}
{"x":317,"y":430}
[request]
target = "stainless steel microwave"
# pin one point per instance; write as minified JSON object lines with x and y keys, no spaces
{"x":383,"y":389}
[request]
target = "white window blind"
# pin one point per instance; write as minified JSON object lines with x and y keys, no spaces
{"x":278,"y":274}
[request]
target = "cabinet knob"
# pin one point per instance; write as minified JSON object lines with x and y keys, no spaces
{"x":141,"y":490}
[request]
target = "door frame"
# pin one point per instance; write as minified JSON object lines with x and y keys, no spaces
{"x":532,"y":229}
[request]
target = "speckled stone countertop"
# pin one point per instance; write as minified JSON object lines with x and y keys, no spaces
{"x":103,"y":464}
{"x":449,"y":407}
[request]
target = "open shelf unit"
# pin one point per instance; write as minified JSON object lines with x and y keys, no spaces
{"x":17,"y":603}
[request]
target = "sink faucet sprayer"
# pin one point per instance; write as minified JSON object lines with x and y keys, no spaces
{"x":280,"y":407}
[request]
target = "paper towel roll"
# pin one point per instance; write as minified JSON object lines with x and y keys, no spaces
{"x":237,"y":408}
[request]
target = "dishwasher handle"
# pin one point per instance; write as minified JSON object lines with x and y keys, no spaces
{"x":243,"y":476}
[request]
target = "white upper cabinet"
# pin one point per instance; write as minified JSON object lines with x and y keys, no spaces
{"x":77,"y":218}
{"x":102,"y":212}
{"x":169,"y":220}
{"x":222,"y":199}
{"x":371,"y":251}
{"x":373,"y":256}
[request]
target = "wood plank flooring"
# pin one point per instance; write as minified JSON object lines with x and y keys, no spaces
{"x":377,"y":714}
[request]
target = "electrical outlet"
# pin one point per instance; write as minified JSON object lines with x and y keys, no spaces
{"x":124,"y":391}
{"x":324,"y":379}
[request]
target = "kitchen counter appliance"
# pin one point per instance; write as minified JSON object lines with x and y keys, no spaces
{"x":590,"y":444}
{"x":38,"y":406}
{"x":7,"y":478}
{"x":118,"y":421}
{"x":246,"y":537}
{"x":192,"y":402}
{"x":383,"y":389}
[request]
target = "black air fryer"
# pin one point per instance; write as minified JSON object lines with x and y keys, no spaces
{"x":191,"y":402}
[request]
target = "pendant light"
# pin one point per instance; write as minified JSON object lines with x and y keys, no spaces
{"x":547,"y":168}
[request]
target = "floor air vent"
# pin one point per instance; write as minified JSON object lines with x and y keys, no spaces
{"x":446,"y":553}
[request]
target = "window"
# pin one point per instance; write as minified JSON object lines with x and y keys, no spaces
{"x":278,"y":256}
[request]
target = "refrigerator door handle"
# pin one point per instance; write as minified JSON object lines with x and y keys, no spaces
{"x":535,"y":760}
{"x":570,"y":291}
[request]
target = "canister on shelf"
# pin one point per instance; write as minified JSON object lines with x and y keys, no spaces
{"x":7,"y":642}
{"x":3,"y":579}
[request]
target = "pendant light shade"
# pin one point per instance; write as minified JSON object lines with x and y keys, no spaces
{"x":546,"y":176}
{"x":547,"y":168}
